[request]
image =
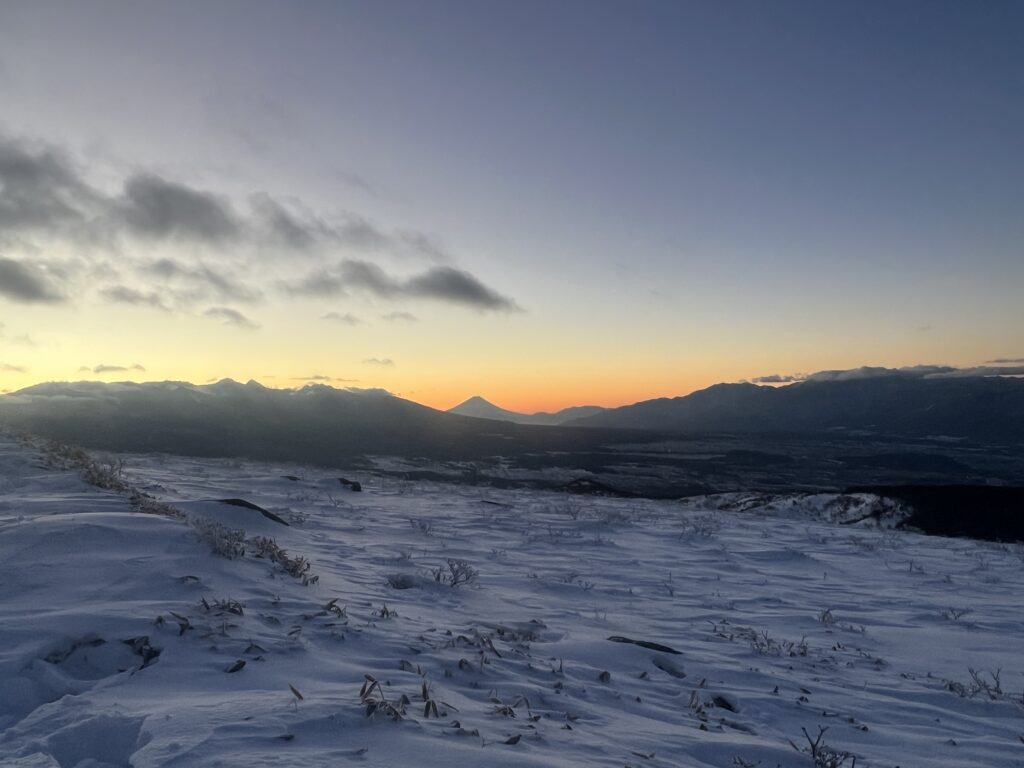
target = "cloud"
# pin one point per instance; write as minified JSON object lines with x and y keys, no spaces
{"x":26,"y":282}
{"x":48,"y":203}
{"x":120,"y":294}
{"x":230,"y":316}
{"x":459,"y":287}
{"x":156,"y":208}
{"x":22,"y":339}
{"x":778,"y":379}
{"x":103,"y":368}
{"x":982,"y":370}
{"x":1005,"y":361}
{"x":407,"y":317}
{"x":876,"y":372}
{"x":355,"y":231}
{"x":8,"y":368}
{"x":384,"y":361}
{"x":280,"y":224}
{"x":344,"y":319}
{"x":370,"y":277}
{"x":441,"y":283}
{"x":203,"y":281}
{"x":323,"y":283}
{"x":907,"y":372}
{"x":420,"y":244}
{"x":40,"y":190}
{"x":321,"y":377}
{"x":297,"y":228}
{"x":42,"y":194}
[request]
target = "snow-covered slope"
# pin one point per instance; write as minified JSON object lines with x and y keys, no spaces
{"x":119,"y":630}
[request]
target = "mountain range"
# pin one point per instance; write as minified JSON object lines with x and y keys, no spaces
{"x":982,"y":408}
{"x":890,"y":402}
{"x":479,"y":408}
{"x":323,"y":425}
{"x":315,"y":424}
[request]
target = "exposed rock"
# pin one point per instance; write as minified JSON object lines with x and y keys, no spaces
{"x":255,"y":507}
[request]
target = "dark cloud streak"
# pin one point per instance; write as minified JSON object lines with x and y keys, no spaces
{"x":910,"y":372}
{"x":104,"y":368}
{"x":231,"y":316}
{"x":322,"y":283}
{"x":407,"y":317}
{"x":280,"y":224}
{"x":342,"y":319}
{"x":203,"y":279}
{"x":445,"y":284}
{"x":458,"y":287}
{"x":40,"y":190}
{"x":155,"y":208}
{"x":120,"y":294}
{"x":28,"y":283}
{"x":45,"y":199}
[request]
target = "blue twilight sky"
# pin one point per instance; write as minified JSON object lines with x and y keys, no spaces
{"x":661,"y":195}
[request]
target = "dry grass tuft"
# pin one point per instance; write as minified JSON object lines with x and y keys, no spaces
{"x":455,"y":573}
{"x":823,"y":755}
{"x":376,"y":703}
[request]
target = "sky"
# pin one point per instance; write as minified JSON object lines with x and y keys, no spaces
{"x":544,"y":203}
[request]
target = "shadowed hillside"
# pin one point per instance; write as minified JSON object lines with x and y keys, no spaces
{"x":987,"y":409}
{"x":977,"y":511}
{"x":317,"y":424}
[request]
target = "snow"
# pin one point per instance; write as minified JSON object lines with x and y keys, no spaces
{"x":783,"y":618}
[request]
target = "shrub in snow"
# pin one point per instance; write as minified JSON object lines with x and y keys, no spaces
{"x":375,"y":703}
{"x":297,"y":567}
{"x":108,"y":475}
{"x":455,"y":573}
{"x":822,"y":754}
{"x":147,"y":505}
{"x":222,"y":541}
{"x":991,"y":689}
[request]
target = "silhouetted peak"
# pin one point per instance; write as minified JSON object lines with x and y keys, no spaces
{"x":475,"y":400}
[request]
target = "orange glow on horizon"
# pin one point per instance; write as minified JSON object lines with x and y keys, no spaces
{"x":609,"y":391}
{"x":524,"y":397}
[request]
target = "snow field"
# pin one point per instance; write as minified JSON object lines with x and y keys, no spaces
{"x":118,"y":629}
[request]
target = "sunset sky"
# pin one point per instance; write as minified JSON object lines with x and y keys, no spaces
{"x":545,"y":203}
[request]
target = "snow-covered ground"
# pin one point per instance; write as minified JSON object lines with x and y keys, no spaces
{"x":119,"y":631}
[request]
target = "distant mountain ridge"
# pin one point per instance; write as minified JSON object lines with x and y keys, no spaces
{"x":319,"y":424}
{"x":984,"y":408}
{"x":314,"y":424}
{"x":479,"y":408}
